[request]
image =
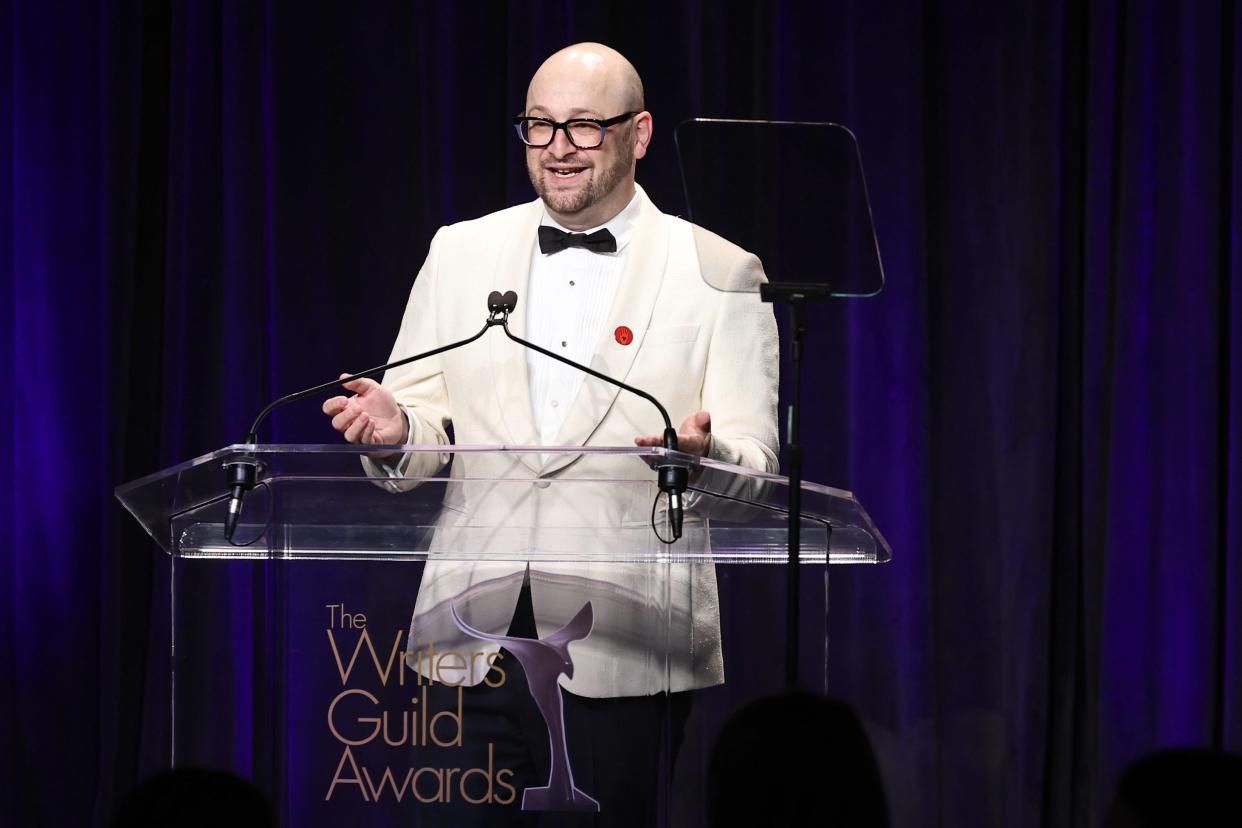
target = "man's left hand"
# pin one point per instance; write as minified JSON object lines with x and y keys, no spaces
{"x":694,"y":435}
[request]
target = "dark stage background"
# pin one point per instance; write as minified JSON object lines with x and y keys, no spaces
{"x":207,"y":205}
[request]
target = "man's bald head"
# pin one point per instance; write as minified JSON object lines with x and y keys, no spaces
{"x":592,"y":70}
{"x":586,"y":187}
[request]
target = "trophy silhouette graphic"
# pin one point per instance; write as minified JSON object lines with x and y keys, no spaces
{"x":544,"y":660}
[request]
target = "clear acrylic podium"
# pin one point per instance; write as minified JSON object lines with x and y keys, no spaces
{"x":293,"y":660}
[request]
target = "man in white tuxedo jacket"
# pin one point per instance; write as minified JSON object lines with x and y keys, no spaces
{"x":641,"y":312}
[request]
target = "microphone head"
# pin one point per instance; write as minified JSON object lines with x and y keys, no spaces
{"x":510,"y":300}
{"x":495,"y":302}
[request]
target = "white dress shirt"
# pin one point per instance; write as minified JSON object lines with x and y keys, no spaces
{"x":570,"y":295}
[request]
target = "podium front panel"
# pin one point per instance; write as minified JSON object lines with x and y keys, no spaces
{"x":448,"y":648}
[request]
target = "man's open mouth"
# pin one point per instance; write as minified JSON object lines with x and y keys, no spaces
{"x":566,"y":172}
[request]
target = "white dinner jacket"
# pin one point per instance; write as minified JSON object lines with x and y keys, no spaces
{"x":694,"y":347}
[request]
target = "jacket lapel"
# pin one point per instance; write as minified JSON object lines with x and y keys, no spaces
{"x":641,"y":279}
{"x":510,"y":377}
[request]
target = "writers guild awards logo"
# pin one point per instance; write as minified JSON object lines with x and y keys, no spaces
{"x":545,"y":660}
{"x":420,"y":726}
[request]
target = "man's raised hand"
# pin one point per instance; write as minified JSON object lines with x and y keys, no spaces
{"x":370,"y":417}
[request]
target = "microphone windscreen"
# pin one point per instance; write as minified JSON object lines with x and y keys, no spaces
{"x":510,"y":300}
{"x":494,"y":301}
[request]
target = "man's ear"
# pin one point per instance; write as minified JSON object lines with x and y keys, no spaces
{"x":642,"y":133}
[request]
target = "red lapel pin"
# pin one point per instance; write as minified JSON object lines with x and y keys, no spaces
{"x":624,"y":335}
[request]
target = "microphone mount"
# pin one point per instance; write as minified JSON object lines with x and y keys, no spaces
{"x":499,"y":306}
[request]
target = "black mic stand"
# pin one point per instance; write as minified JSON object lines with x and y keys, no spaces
{"x":242,"y":473}
{"x":797,"y":297}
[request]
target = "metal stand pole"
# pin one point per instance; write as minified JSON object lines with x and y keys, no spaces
{"x":797,"y":296}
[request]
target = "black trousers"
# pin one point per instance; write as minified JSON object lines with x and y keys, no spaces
{"x":622,"y":750}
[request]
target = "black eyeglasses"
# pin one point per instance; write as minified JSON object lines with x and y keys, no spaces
{"x":583,"y":133}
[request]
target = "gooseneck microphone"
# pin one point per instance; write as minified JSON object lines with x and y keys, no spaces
{"x":242,"y":472}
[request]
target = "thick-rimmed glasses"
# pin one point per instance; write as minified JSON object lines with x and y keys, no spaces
{"x":583,"y":133}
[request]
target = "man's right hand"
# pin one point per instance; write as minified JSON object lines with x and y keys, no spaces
{"x":370,"y":417}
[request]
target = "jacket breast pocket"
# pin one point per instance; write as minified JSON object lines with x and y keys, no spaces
{"x":671,"y":334}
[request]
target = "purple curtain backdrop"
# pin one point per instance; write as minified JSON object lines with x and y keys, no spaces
{"x":205,"y":205}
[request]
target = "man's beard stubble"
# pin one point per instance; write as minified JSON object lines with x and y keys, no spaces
{"x":603,"y":181}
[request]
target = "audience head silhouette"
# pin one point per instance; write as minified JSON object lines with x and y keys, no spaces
{"x":795,"y":760}
{"x":1181,"y":787}
{"x":195,"y":798}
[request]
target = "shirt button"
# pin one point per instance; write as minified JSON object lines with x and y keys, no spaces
{"x":564,"y":343}
{"x":571,"y":282}
{"x":555,"y":403}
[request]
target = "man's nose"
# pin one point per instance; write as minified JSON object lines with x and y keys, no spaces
{"x":561,"y":145}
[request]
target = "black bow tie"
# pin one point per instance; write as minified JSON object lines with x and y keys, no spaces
{"x":552,"y":240}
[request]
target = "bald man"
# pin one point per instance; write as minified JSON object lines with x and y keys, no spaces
{"x":605,"y":279}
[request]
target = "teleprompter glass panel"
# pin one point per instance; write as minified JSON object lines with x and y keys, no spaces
{"x":791,"y":192}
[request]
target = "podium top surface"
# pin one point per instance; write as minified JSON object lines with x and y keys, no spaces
{"x":500,"y":502}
